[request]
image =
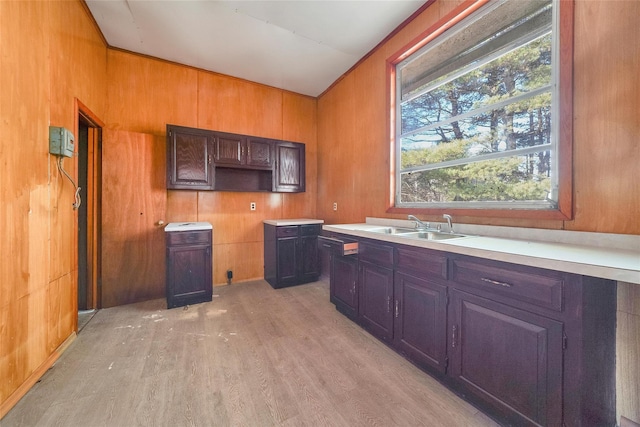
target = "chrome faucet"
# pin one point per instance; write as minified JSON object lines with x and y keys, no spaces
{"x":448,"y":218}
{"x":419,"y":224}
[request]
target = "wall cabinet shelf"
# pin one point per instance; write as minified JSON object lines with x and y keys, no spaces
{"x":530,"y":346}
{"x":199,"y":159}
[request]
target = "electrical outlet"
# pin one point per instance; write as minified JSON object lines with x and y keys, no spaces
{"x":335,"y":206}
{"x":253,"y":206}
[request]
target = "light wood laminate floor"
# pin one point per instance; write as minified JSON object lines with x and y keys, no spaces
{"x":254,"y":356}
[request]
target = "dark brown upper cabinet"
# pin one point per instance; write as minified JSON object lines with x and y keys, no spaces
{"x":200,"y":159}
{"x":243,"y":151}
{"x":289,"y":174}
{"x":189,"y":159}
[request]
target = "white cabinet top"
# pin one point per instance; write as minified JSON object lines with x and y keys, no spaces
{"x":188,"y":226}
{"x":621,"y":263}
{"x":295,"y":221}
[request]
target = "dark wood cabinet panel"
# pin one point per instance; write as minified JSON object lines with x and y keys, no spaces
{"x":530,"y":346}
{"x":291,"y":254}
{"x":199,"y":159}
{"x":375,"y":300}
{"x":228,"y":149}
{"x":309,"y":258}
{"x":243,"y":151}
{"x":289,"y":173}
{"x":189,"y":159}
{"x":287,"y":259}
{"x":511,"y":359}
{"x":343,"y":283}
{"x":188,"y":268}
{"x":259,"y":152}
{"x":420,"y":320}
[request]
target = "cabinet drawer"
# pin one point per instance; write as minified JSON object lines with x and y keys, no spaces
{"x":188,"y":238}
{"x":524,"y":284}
{"x":287,"y":231}
{"x":338,"y":245}
{"x":310,"y":230}
{"x":377,"y":254}
{"x":421,"y":261}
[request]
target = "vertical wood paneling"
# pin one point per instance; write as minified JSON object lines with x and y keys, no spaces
{"x":337,"y":151}
{"x":232,"y":105}
{"x":145,"y":94}
{"x":353,"y":117}
{"x":607,"y":117}
{"x":299,"y":125}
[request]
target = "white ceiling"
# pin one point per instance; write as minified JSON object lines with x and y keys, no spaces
{"x":302,"y":46}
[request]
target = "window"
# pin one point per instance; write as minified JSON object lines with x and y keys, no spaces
{"x":477,"y":113}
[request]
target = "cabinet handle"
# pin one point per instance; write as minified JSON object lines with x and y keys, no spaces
{"x":388,"y":304}
{"x":209,"y":159}
{"x":353,"y":288}
{"x":397,"y":308}
{"x":495,"y":282}
{"x":454,"y":336}
{"x":326,"y":245}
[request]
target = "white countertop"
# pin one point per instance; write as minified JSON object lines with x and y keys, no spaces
{"x":621,"y":264}
{"x":294,"y":221}
{"x":188,"y":226}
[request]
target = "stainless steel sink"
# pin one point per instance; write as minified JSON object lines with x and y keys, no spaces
{"x":433,"y":235}
{"x":392,"y":230}
{"x":416,"y":234}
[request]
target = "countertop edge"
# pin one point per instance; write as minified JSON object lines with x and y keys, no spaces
{"x":458,"y":246}
{"x":293,"y":221}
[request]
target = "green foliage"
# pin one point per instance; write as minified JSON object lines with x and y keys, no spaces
{"x":520,"y":124}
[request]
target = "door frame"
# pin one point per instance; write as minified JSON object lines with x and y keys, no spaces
{"x":93,"y":202}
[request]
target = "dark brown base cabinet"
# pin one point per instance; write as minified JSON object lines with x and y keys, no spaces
{"x":529,"y":346}
{"x":188,"y":268}
{"x":291,"y":254}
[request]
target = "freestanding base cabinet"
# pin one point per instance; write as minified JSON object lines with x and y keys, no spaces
{"x":291,"y":251}
{"x":188,"y":263}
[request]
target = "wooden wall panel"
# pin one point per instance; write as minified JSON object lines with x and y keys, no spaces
{"x":353,"y":115}
{"x":337,"y":150}
{"x":145,"y":94}
{"x":134,"y":201}
{"x":241,"y":259}
{"x":232,"y":105}
{"x":299,"y":124}
{"x":607,"y":117}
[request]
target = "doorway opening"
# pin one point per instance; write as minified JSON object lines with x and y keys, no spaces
{"x":89,"y":145}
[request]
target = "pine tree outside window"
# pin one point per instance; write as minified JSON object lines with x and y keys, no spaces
{"x":477,"y":112}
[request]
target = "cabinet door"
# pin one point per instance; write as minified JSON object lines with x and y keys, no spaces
{"x":420,"y":315}
{"x":259,"y":153}
{"x":229,"y":149}
{"x":309,"y":266}
{"x":189,"y":275}
{"x":189,"y":159}
{"x":287,"y":260}
{"x":375,"y":300}
{"x":343,"y":284}
{"x":508,"y":358}
{"x":289,"y":173}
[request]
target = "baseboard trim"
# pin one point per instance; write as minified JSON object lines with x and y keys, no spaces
{"x":19,"y":393}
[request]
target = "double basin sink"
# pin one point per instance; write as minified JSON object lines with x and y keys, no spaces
{"x":417,"y":233}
